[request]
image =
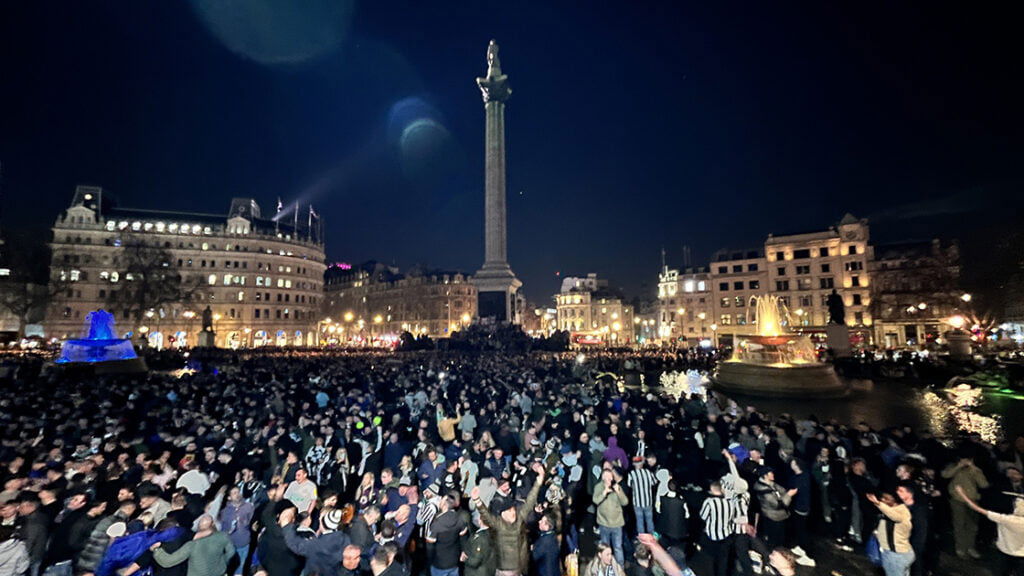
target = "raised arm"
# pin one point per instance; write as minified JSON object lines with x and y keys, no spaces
{"x":660,"y":555}
{"x":474,"y":497}
{"x":531,"y":498}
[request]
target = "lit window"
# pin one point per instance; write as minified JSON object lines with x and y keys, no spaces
{"x":136,"y":226}
{"x":205,"y":246}
{"x":287,"y":283}
{"x":701,"y":286}
{"x":213,"y":279}
{"x":147,"y":226}
{"x":227,"y":279}
{"x":688,"y":286}
{"x":160,"y":226}
{"x":111,"y":225}
{"x":122,"y":225}
{"x":207,"y":230}
{"x":114,"y":277}
{"x":196,"y":229}
{"x":259,"y":280}
{"x":241,"y":295}
{"x":172,"y":228}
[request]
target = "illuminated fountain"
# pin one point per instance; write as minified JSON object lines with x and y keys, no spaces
{"x":100,"y":347}
{"x":775,"y":362}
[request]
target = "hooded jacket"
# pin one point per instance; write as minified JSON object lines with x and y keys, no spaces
{"x":615,"y":454}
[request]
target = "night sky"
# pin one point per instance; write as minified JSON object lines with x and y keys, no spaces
{"x":632,"y":126}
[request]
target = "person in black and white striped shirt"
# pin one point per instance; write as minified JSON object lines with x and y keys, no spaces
{"x":642,"y":484}
{"x":718,"y":516}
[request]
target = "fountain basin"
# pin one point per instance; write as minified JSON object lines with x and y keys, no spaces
{"x":100,"y":351}
{"x":777,"y":365}
{"x":105,"y":350}
{"x":811,"y":380}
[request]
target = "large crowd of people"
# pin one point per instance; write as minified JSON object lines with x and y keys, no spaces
{"x":359,"y":463}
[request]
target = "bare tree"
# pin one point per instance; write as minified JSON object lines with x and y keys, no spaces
{"x":24,"y":290}
{"x":149,"y":281}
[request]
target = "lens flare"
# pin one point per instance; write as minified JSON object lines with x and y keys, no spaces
{"x":277,"y":32}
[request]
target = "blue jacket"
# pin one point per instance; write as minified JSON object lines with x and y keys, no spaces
{"x":429,"y":473}
{"x":545,"y":555}
{"x":127,"y":549}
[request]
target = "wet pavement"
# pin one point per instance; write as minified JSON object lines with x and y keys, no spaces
{"x":887,"y":403}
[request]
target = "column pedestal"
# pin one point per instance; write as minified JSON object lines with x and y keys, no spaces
{"x":207,"y":339}
{"x":959,"y":344}
{"x":838,"y":337}
{"x":497,"y":294}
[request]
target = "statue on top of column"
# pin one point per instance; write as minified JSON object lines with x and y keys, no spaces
{"x":495,"y":85}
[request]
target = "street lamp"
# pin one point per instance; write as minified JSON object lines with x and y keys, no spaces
{"x":966,"y":297}
{"x":714,"y":334}
{"x":922,"y":306}
{"x":349,"y":316}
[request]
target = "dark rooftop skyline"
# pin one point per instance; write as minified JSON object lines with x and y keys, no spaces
{"x":632,"y":127}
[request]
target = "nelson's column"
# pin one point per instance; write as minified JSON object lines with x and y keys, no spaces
{"x":497,"y":285}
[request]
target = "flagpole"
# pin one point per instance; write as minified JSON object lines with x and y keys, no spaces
{"x":309,"y":225}
{"x":295,"y":225}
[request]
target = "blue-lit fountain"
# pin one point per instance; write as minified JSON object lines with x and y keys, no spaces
{"x":99,"y":344}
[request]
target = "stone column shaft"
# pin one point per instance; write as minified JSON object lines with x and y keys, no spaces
{"x":495,"y":217}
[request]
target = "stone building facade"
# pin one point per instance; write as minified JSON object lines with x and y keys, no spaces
{"x":715,"y":302}
{"x":375,"y":303}
{"x":263,"y":281}
{"x":803,"y":269}
{"x":593,"y":313}
{"x":915,"y":290}
{"x":685,"y":308}
{"x":736,"y":277}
